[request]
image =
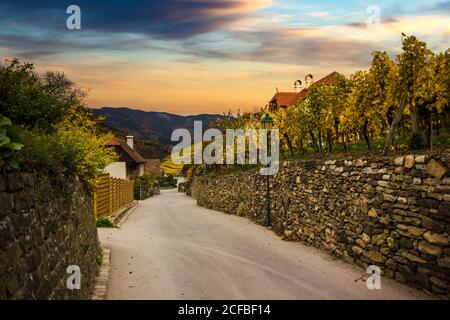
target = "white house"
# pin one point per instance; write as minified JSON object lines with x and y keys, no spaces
{"x":130,"y":162}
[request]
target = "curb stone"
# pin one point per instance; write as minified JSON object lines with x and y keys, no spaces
{"x":101,"y":282}
{"x":120,"y":219}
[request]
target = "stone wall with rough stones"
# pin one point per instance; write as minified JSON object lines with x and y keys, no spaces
{"x":391,"y":212}
{"x":46,"y":224}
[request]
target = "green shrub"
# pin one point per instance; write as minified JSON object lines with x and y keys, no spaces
{"x":57,"y":132}
{"x":148,"y":180}
{"x":71,"y":149}
{"x":8,"y":148}
{"x":37,"y":101}
{"x":167,"y":181}
{"x":99,"y":259}
{"x":105,"y":223}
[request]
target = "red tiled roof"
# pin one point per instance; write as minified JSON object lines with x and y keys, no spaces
{"x":292,"y":98}
{"x":301,"y":96}
{"x":329,"y":79}
{"x":116,"y":142}
{"x":113,"y":142}
{"x":153,"y":166}
{"x":284,"y":98}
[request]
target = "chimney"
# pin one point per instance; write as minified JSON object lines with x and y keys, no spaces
{"x":309,"y":80}
{"x":130,"y":141}
{"x":298,"y":86}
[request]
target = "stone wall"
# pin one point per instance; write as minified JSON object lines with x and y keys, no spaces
{"x":46,"y":224}
{"x":391,"y":212}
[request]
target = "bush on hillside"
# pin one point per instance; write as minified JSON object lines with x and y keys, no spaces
{"x":37,"y":101}
{"x":70,"y":149}
{"x":59,"y":134}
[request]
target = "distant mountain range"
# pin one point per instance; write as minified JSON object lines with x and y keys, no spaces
{"x":153,"y":129}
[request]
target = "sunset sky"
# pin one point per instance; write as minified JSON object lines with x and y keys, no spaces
{"x":201,"y":56}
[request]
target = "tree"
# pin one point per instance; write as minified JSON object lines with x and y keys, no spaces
{"x":415,"y":65}
{"x":301,"y":124}
{"x":36,"y":101}
{"x":57,"y":131}
{"x":381,"y":96}
{"x":441,"y":106}
{"x":412,"y":90}
{"x":280,"y":118}
{"x":358,"y":109}
{"x":338,"y":99}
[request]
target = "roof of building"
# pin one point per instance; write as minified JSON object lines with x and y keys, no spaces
{"x":329,"y":79}
{"x":153,"y":166}
{"x":284,"y":99}
{"x":133,"y":154}
{"x":301,"y":96}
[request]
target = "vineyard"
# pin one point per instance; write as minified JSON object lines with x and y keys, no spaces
{"x":402,"y":101}
{"x":170,"y":168}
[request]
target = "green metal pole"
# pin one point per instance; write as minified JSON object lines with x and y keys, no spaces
{"x":267,"y":202}
{"x":268,"y":184}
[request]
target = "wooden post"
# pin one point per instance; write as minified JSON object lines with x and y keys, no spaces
{"x":94,"y":203}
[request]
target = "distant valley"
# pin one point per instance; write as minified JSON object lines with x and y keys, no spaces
{"x":152,"y":130}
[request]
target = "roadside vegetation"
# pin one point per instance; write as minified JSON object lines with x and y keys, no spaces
{"x":105,"y":223}
{"x":46,"y":119}
{"x":8,"y":144}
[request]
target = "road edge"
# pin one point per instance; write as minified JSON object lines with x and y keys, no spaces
{"x":101,"y":281}
{"x":122,"y":217}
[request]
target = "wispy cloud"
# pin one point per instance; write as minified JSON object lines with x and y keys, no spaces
{"x":440,"y":6}
{"x":171,"y":19}
{"x":168,"y":53}
{"x":318,"y":14}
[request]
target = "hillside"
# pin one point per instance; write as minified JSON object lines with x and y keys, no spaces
{"x":146,"y":125}
{"x":152,"y":130}
{"x":169,"y":167}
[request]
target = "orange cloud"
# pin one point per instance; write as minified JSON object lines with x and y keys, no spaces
{"x":240,"y":68}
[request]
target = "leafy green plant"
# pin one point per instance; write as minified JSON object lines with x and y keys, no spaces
{"x":105,"y":223}
{"x":8,"y":148}
{"x":57,"y":132}
{"x":99,"y":259}
{"x":167,"y":180}
{"x":148,"y":180}
{"x":37,"y":101}
{"x":70,"y":149}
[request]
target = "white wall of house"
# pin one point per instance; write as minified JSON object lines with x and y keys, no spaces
{"x":180,"y":180}
{"x":117,"y":170}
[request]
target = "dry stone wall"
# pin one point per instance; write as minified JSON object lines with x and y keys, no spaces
{"x":390,"y":212}
{"x":46,"y":225}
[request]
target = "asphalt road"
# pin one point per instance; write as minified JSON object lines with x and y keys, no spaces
{"x":169,"y":248}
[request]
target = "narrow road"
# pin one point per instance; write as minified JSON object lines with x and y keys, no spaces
{"x":169,"y":248}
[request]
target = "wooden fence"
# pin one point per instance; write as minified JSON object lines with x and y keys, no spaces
{"x":111,"y":194}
